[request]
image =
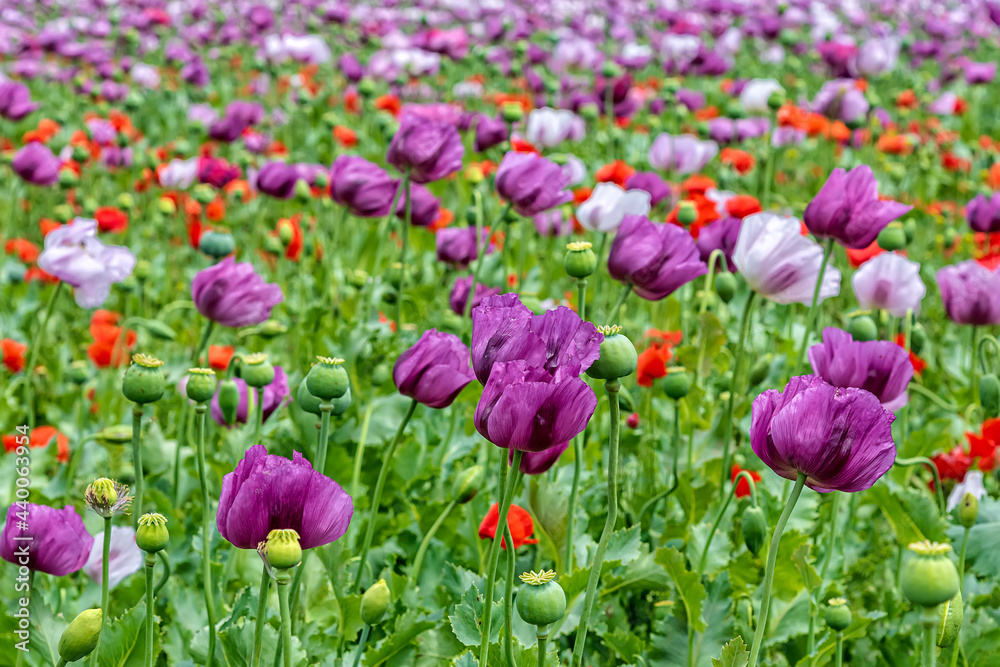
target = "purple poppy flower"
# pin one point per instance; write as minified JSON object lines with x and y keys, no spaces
{"x":275,"y":395}
{"x":531,"y":183}
{"x":536,"y":463}
{"x":692,"y":100}
{"x":59,"y":544}
{"x":457,"y":245}
{"x":553,"y":223}
{"x":721,"y":235}
{"x":977,"y":73}
{"x":841,"y":100}
{"x":654,"y":258}
{"x":238,"y":117}
{"x":683,"y":154}
{"x":233,"y":295}
{"x":216,"y":172}
{"x":362,"y":186}
{"x":429,"y":150}
{"x":425,"y":208}
{"x":268,"y":492}
{"x":74,"y":255}
{"x":490,"y":132}
{"x":350,"y":67}
{"x":779,"y":263}
{"x":195,"y":72}
{"x":260,"y":17}
{"x":840,"y":438}
{"x":889,"y":282}
{"x":651,"y":182}
{"x":36,"y":164}
{"x":970,"y":293}
{"x":878,"y":366}
{"x":984,"y":214}
{"x":503,"y":329}
{"x":847,"y":208}
{"x":277,"y":179}
{"x":15,"y":101}
{"x":548,"y":127}
{"x":459,"y":298}
{"x":876,"y":56}
{"x":125,"y":557}
{"x":434,"y":370}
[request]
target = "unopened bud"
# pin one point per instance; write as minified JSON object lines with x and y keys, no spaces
{"x":80,"y":637}
{"x":375,"y":603}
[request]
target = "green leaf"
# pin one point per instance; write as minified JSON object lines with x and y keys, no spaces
{"x":907,"y":530}
{"x":123,"y":639}
{"x":624,"y":643}
{"x":467,"y":659}
{"x":407,"y":628}
{"x":734,"y":654}
{"x":644,"y":573}
{"x":801,"y":558}
{"x":828,"y":643}
{"x":788,"y":581}
{"x":47,"y":630}
{"x":624,"y":546}
{"x":689,"y":588}
{"x":466,"y":620}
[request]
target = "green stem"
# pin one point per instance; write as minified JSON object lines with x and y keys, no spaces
{"x":105,"y":563}
{"x":206,"y":532}
{"x":929,"y":619}
{"x":831,"y":544}
{"x":521,"y":247}
{"x":166,"y":573}
{"x":813,"y":308}
{"x":612,"y":387}
{"x":402,"y":255}
{"x":381,"y":243}
{"x":508,"y":594}
{"x":36,"y":342}
{"x":617,"y":309}
{"x":494,"y":556}
{"x":934,"y":398}
{"x":477,"y":274}
{"x":735,"y":387}
{"x":137,"y":462}
{"x":182,"y":433}
{"x":258,"y":631}
{"x":361,"y":644}
{"x":772,"y":557}
{"x":923,"y":460}
{"x":744,"y":474}
{"x":283,"y":577}
{"x":258,"y":419}
{"x":359,"y":457}
{"x":203,"y":343}
{"x":581,"y":307}
{"x":542,"y":633}
{"x":377,"y":496}
{"x":422,"y":550}
{"x":839,"y":651}
{"x":961,"y":561}
{"x":973,"y":382}
{"x":150,"y":563}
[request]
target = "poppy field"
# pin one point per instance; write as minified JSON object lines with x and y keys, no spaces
{"x":581,"y":333}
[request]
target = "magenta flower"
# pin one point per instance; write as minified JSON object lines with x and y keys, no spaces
{"x":889,"y":282}
{"x":268,"y":492}
{"x":217,"y":173}
{"x":457,"y":245}
{"x":275,"y":395}
{"x":15,"y":101}
{"x":74,"y":255}
{"x":434,"y":370}
{"x":429,"y":150}
{"x":36,"y":164}
{"x":847,"y":208}
{"x":362,"y":186}
{"x":654,"y":258}
{"x":531,"y":183}
{"x":425,"y":208}
{"x":459,"y":297}
{"x":878,"y":366}
{"x":490,"y":132}
{"x":277,"y":179}
{"x":970,"y":293}
{"x":841,"y":439}
{"x":233,"y":295}
{"x":984,"y":214}
{"x":536,"y":463}
{"x":59,"y":544}
{"x":125,"y":557}
{"x":720,"y":235}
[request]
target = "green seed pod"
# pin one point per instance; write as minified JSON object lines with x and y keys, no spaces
{"x":918,"y":338}
{"x":256,"y":370}
{"x":838,"y":615}
{"x":282,"y":549}
{"x":151,"y":535}
{"x":610,"y":69}
{"x":271,"y":329}
{"x":618,"y":356}
{"x":203,"y":193}
{"x":80,"y":153}
{"x":589,"y":111}
{"x":307,"y":401}
{"x":725,"y":286}
{"x":328,"y":379}
{"x":511,"y":112}
{"x":302,"y":192}
{"x":166,"y":206}
{"x":126,"y":200}
{"x":380,"y":375}
{"x":375,"y":603}
{"x":62,"y":212}
{"x":78,"y":372}
{"x":68,"y":179}
{"x":144,"y":382}
{"x":541,"y":601}
{"x":677,"y":384}
{"x":968,"y":511}
{"x":81,"y":636}
{"x":141,"y":271}
{"x":467,"y":484}
{"x":687,"y":213}
{"x":89,"y":206}
{"x":115,"y":435}
{"x":104,"y":491}
{"x":892,"y":237}
{"x":201,"y":384}
{"x":989,"y":395}
{"x":776,"y":99}
{"x":950,"y":617}
{"x":217,"y":244}
{"x":910,"y":230}
{"x":754,"y":529}
{"x":229,"y":400}
{"x":929,"y":578}
{"x":580,"y":260}
{"x":760,"y":370}
{"x":366,"y":87}
{"x":863,"y":328}
{"x":341,"y":404}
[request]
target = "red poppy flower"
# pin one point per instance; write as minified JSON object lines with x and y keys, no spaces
{"x":859,"y":257}
{"x":35,"y":273}
{"x":345,"y":136}
{"x":107,"y":350}
{"x":983,"y":445}
{"x":111,"y":219}
{"x":616,"y":172}
{"x":47,"y":225}
{"x":40,"y":438}
{"x":389,"y":103}
{"x":741,"y":161}
{"x":518,"y":520}
{"x":697,"y":184}
{"x":25,"y":250}
{"x":216,"y":209}
{"x":918,"y":364}
{"x":741,"y":206}
{"x":219,"y":356}
{"x":519,"y":145}
{"x":953,"y":464}
{"x":743,"y":487}
{"x":13,"y":354}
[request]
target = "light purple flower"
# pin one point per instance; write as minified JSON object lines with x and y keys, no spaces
{"x":75,"y":255}
{"x":889,"y":282}
{"x":234,"y":295}
{"x":781,"y":264}
{"x":970,"y":293}
{"x":945,"y":105}
{"x":36,"y":164}
{"x":841,"y":99}
{"x":847,"y":208}
{"x":876,"y":56}
{"x":878,"y":366}
{"x":126,"y":557}
{"x":548,"y":127}
{"x":757,"y":93}
{"x":841,"y":439}
{"x":655,"y":258}
{"x":434,"y":370}
{"x":608,"y":205}
{"x":531,"y":183}
{"x":428,"y":150}
{"x":179,"y":174}
{"x":684,"y":154}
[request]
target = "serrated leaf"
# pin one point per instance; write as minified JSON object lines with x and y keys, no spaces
{"x":734,"y":654}
{"x":624,"y":643}
{"x":828,"y":643}
{"x":467,"y":659}
{"x":407,"y":628}
{"x":644,"y":573}
{"x":689,"y":588}
{"x":123,"y":639}
{"x":906,"y":529}
{"x":801,"y":558}
{"x":466,"y":619}
{"x":46,"y":631}
{"x":624,"y":546}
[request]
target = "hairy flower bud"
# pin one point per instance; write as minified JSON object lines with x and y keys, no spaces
{"x":725,"y":286}
{"x":467,"y":484}
{"x":754,"y":529}
{"x":229,"y":400}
